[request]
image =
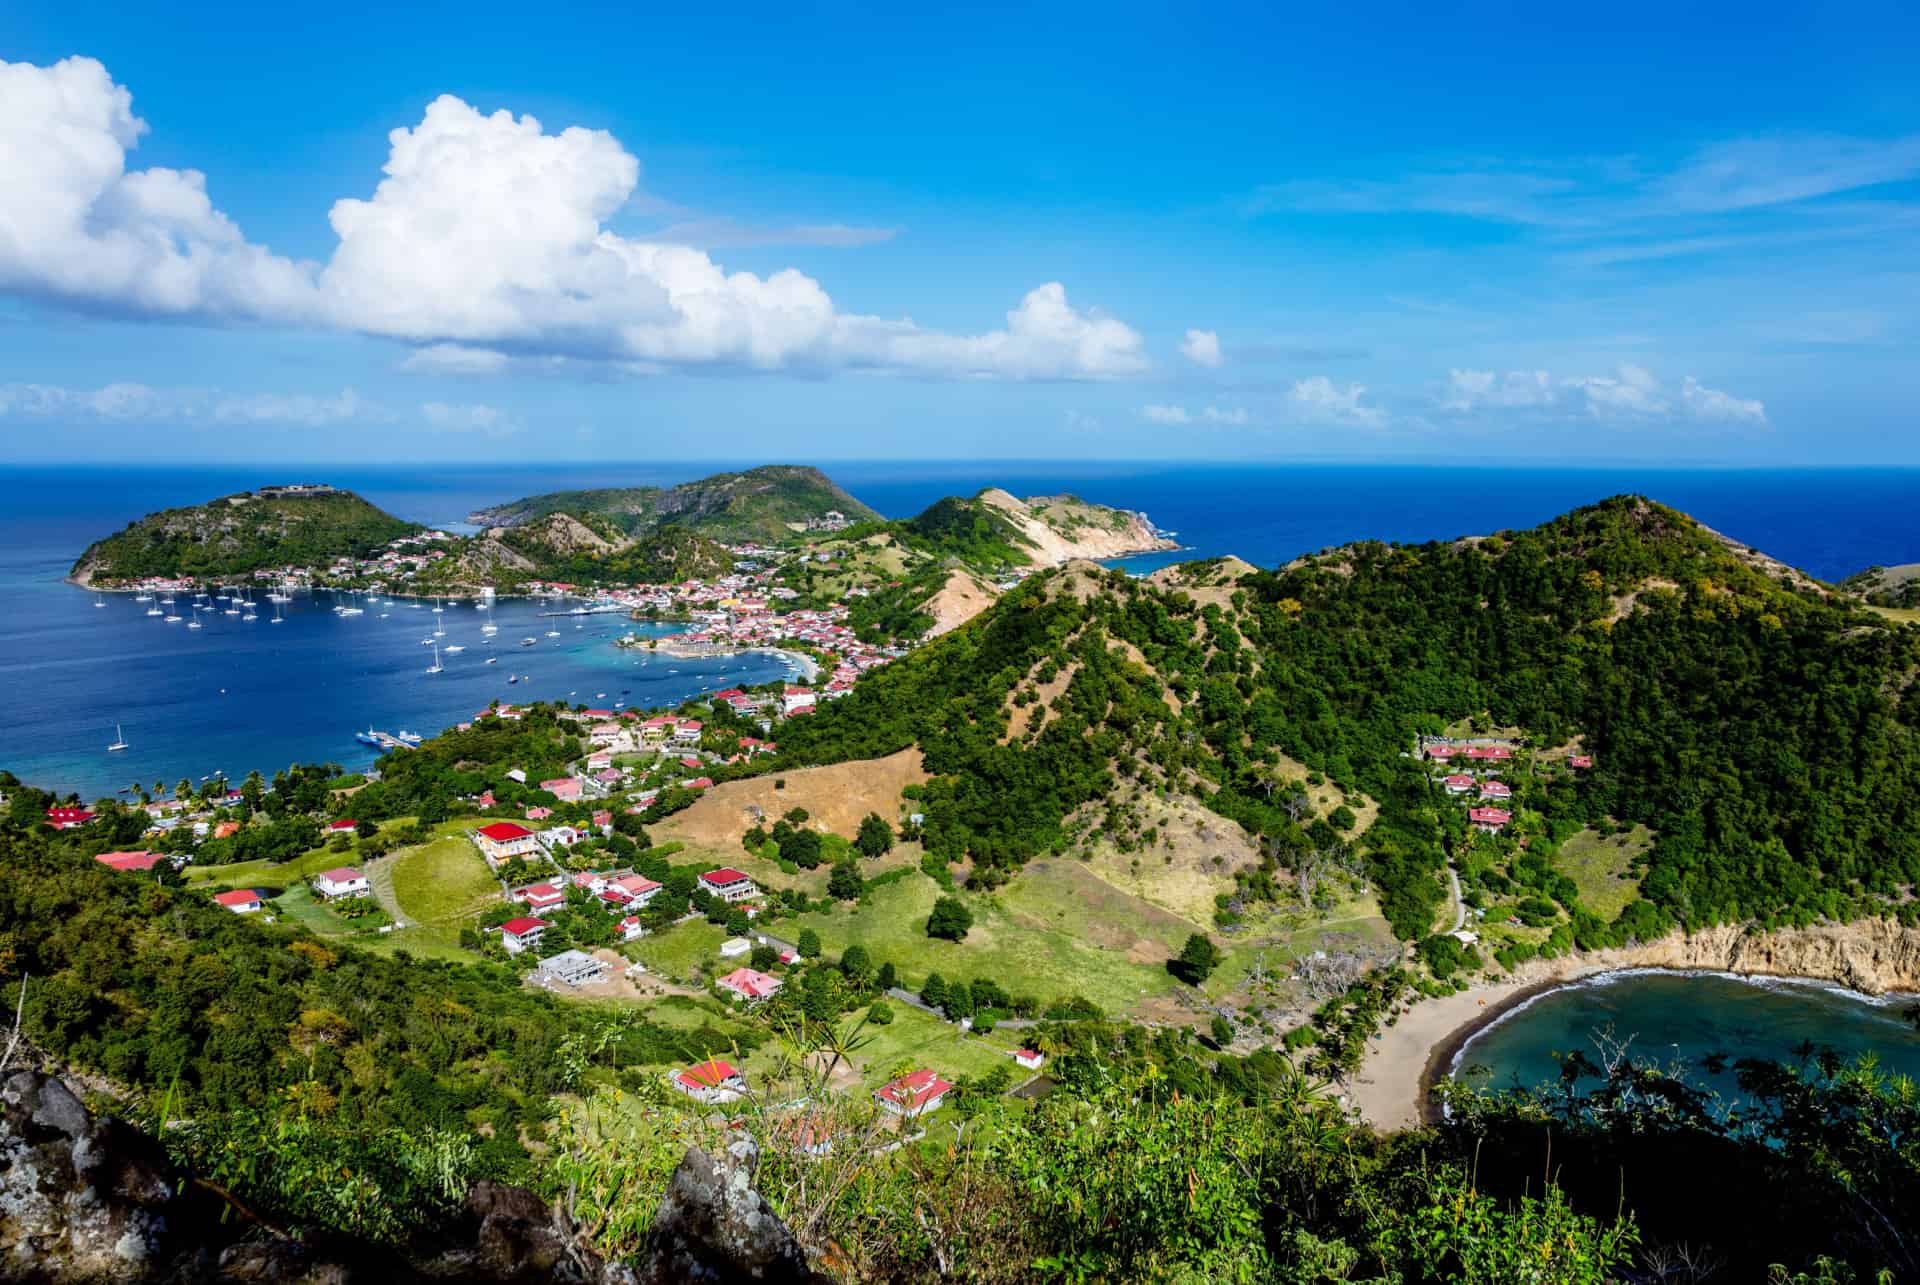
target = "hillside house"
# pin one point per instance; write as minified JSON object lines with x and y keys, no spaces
{"x":68,"y":818}
{"x":1495,"y":790}
{"x":241,"y":901}
{"x":729,"y":884}
{"x":795,"y":699}
{"x":521,"y":934}
{"x":712,"y":1081}
{"x":1032,"y":1059}
{"x":913,"y":1095}
{"x":345,"y":825}
{"x":502,"y":841}
{"x":341,"y":881}
{"x":1580,"y":761}
{"x":734,"y":947}
{"x":539,"y":896}
{"x":129,"y":861}
{"x":750,"y":985}
{"x":567,"y":789}
{"x":1458,"y":783}
{"x":1489,"y":820}
{"x":631,"y":929}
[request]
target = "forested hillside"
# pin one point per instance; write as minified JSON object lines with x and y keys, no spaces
{"x":1763,"y":730}
{"x":758,"y":504}
{"x":239,"y":534}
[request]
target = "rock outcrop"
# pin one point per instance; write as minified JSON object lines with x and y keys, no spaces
{"x":1871,"y":956}
{"x":713,"y":1226}
{"x":1061,"y":528}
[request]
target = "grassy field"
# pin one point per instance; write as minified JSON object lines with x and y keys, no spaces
{"x":249,"y":874}
{"x":1055,"y":930}
{"x":920,"y":1039}
{"x":683,"y":950}
{"x":1599,"y":865}
{"x":1903,"y":615}
{"x":442,"y":880}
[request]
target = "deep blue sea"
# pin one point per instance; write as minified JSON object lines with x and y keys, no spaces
{"x":234,"y":696}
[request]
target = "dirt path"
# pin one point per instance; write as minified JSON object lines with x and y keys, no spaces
{"x":1459,"y":906}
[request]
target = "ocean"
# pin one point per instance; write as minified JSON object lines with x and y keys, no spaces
{"x":234,"y":696}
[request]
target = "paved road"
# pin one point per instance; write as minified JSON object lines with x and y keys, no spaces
{"x":1459,"y":906}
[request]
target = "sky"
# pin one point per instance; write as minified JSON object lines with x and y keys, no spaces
{"x":1673,"y":234}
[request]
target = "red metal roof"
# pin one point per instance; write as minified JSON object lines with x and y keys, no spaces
{"x":522,"y":926}
{"x":504,"y":832}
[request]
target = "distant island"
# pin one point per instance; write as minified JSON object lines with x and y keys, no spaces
{"x":296,"y":524}
{"x":909,"y":578}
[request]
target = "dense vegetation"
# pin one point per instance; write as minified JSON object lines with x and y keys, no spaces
{"x":668,"y":555}
{"x":1762,"y":731}
{"x":236,"y":535}
{"x":753,"y":505}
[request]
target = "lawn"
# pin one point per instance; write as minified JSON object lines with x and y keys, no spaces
{"x":298,"y":905}
{"x":1055,"y":930}
{"x":921,"y":1039}
{"x":1598,"y":866}
{"x":249,"y":874}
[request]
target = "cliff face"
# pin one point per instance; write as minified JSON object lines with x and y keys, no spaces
{"x":1872,"y":956}
{"x":1061,"y":528}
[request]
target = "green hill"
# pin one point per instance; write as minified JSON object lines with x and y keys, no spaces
{"x":1760,"y":728}
{"x":769,"y":504}
{"x":239,"y":534}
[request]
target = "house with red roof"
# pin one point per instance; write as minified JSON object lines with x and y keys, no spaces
{"x":539,"y":896}
{"x":913,"y":1095}
{"x":750,"y":984}
{"x":521,"y":934}
{"x":1494,"y":753}
{"x":631,"y":929}
{"x":342,"y":881}
{"x":502,"y":841}
{"x":345,"y":825}
{"x":1032,"y":1059}
{"x":1580,"y":761}
{"x":565,"y":788}
{"x":729,"y":884}
{"x":1458,"y":783}
{"x":539,"y":814}
{"x":712,"y":1081}
{"x":1440,"y":750}
{"x":639,"y":889}
{"x":1491,"y":820}
{"x":485,"y":801}
{"x":68,"y":818}
{"x":125,"y":861}
{"x":241,"y":901}
{"x":1495,"y":790}
{"x":795,"y":699}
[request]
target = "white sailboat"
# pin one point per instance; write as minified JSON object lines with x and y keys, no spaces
{"x":119,"y":739}
{"x":155,"y":611}
{"x":278,"y":615}
{"x":195,"y":622}
{"x":489,"y":627}
{"x":98,"y":601}
{"x":436,"y":660}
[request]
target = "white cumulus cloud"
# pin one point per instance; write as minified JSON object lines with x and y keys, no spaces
{"x":485,"y":240}
{"x":1166,"y":414}
{"x":1202,"y":348}
{"x":1631,"y":390}
{"x":1319,"y":400}
{"x":1468,"y":390}
{"x":487,"y":421}
{"x":297,"y":408}
{"x":1712,"y":404}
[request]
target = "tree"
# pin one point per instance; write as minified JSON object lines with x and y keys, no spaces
{"x":959,"y":1002}
{"x":763,"y":958}
{"x":880,"y":1013}
{"x":1196,"y":961}
{"x":736,"y":922}
{"x":844,"y":883}
{"x":950,"y":919}
{"x":802,"y":847}
{"x":888,"y":977}
{"x":809,"y":944}
{"x":1222,"y":1030}
{"x":856,"y":965}
{"x":934,"y":993}
{"x":365,"y":829}
{"x":876,"y":836}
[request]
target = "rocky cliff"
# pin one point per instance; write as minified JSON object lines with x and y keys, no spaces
{"x":1063,"y":527}
{"x":1872,"y":956}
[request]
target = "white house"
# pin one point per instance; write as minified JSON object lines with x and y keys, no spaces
{"x":1032,"y":1059}
{"x":712,"y":1081}
{"x":573,"y":968}
{"x":241,"y":901}
{"x":729,"y":884}
{"x":502,"y":841}
{"x":734,"y":947}
{"x":521,"y":934}
{"x":913,"y":1095}
{"x":343,"y":881}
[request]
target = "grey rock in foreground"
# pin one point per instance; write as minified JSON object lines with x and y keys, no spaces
{"x":713,"y":1226}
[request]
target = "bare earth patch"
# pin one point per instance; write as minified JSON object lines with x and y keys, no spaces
{"x":959,"y":600}
{"x":835,"y":797}
{"x":1192,"y":859}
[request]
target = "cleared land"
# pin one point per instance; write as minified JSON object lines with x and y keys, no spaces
{"x":836,"y":799}
{"x":1055,"y":930}
{"x":1599,"y":867}
{"x":1191,"y":860}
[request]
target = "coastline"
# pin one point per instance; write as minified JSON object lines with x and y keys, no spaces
{"x":1870,"y":957}
{"x":809,"y":667}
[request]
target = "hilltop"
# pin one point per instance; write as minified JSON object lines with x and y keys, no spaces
{"x":772,"y":504}
{"x":242,"y":533}
{"x":574,"y":549}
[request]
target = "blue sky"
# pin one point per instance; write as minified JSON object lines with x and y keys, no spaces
{"x":1401,"y":233}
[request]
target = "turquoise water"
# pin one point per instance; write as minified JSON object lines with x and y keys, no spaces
{"x":1683,"y":1019}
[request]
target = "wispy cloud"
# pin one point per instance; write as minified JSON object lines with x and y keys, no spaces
{"x":1157,"y":413}
{"x":726,"y":233}
{"x":477,"y":418}
{"x":1318,"y":400}
{"x":1202,"y":348}
{"x":1629,"y":392}
{"x":135,"y":402}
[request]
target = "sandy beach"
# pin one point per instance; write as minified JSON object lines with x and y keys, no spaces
{"x":1390,"y":1091}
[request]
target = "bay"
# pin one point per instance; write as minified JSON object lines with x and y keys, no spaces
{"x":70,"y":671}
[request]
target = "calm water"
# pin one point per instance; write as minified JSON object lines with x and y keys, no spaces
{"x":1683,"y":1018}
{"x":298,"y":691}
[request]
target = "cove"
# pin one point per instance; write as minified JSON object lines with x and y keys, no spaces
{"x":1683,"y":1019}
